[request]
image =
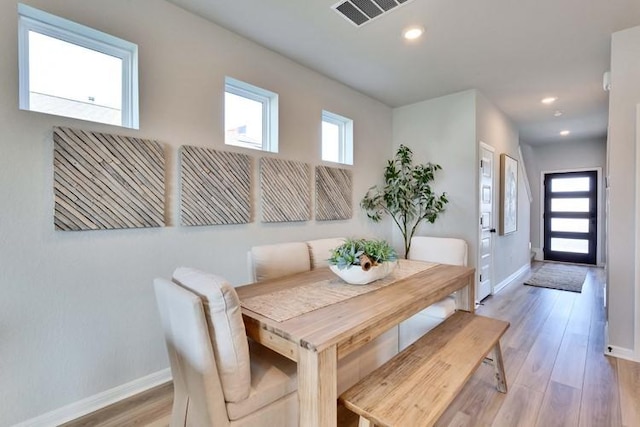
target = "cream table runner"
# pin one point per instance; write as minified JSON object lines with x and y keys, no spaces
{"x":289,"y":303}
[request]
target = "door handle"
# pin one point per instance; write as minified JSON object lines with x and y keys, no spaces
{"x":493,"y":230}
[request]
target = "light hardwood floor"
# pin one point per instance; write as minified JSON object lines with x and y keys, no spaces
{"x":555,"y":368}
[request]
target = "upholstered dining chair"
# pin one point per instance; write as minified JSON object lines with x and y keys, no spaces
{"x":219,"y":377}
{"x":277,"y":260}
{"x":442,"y":250}
{"x":282,"y":259}
{"x":320,"y":250}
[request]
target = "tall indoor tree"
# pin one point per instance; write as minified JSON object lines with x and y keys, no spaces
{"x":406,"y":196}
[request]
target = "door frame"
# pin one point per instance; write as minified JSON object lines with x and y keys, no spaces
{"x":599,"y":241}
{"x":636,"y":343}
{"x":494,"y":208}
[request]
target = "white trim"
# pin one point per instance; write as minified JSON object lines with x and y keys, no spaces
{"x":83,"y":30}
{"x":269,"y":102}
{"x":23,"y":65}
{"x":31,"y":19}
{"x":539,"y":256}
{"x":98,"y":401}
{"x":615,"y":351}
{"x":637,"y":248}
{"x":522,"y":270}
{"x":485,"y":146}
{"x":622,"y":353}
{"x":345,"y":143}
{"x":600,"y":200}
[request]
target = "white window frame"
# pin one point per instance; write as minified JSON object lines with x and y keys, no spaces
{"x":345,"y":142}
{"x":31,"y":19}
{"x":269,"y":101}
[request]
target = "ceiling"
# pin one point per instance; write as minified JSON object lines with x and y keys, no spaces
{"x":515,"y":52}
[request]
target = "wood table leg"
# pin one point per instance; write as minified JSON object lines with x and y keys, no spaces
{"x":465,"y":297}
{"x":498,"y":365}
{"x":317,"y":387}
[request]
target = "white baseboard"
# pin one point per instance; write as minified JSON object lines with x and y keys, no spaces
{"x":539,"y":254}
{"x":500,"y":286}
{"x":621,"y":353}
{"x":98,"y":401}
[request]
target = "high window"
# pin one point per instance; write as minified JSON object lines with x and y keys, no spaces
{"x":71,"y":70}
{"x":250,"y":116}
{"x":337,"y":138}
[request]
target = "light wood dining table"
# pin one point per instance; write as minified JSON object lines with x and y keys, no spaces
{"x":317,"y":339}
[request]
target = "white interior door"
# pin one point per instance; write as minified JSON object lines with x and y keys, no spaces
{"x":487,"y":228}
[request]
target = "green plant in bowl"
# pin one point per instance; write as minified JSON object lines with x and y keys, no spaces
{"x":362,"y":252}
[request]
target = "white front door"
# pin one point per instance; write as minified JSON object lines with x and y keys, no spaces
{"x":486,"y":228}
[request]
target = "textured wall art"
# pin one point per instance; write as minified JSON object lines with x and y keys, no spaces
{"x":333,"y":193}
{"x":215,"y":187}
{"x":284,"y":186}
{"x":104,"y":181}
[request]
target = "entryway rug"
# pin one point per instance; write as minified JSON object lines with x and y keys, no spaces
{"x":559,"y":276}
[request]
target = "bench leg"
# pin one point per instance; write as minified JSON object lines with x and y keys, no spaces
{"x":498,"y":365}
{"x":363,"y":422}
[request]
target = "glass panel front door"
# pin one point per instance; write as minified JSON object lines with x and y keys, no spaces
{"x":570,"y":225}
{"x":570,"y":217}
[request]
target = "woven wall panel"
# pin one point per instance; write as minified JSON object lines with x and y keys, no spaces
{"x":284,"y":186}
{"x":215,"y":187}
{"x":333,"y":193}
{"x":104,"y":181}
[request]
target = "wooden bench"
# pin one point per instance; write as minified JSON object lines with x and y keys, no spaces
{"x":418,"y":384}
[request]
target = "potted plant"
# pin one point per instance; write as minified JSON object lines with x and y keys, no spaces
{"x":361,"y":261}
{"x":406,"y":196}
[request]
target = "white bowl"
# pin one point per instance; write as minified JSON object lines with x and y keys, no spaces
{"x":355,"y":275}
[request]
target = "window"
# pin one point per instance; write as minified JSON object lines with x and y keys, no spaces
{"x":71,"y":70}
{"x":337,"y":138}
{"x":250,"y":116}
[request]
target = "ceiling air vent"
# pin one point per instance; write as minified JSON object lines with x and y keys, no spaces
{"x":359,"y":12}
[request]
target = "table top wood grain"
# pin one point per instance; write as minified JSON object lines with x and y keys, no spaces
{"x":352,"y":323}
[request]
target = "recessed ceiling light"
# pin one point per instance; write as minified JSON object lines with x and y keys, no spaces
{"x":565,"y":133}
{"x":557,"y":113}
{"x":549,"y":100}
{"x":412,"y":33}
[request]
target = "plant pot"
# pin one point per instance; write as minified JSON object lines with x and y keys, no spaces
{"x":355,"y":275}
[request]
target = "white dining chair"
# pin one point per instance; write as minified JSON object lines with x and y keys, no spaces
{"x":282,"y":259}
{"x":441,"y":250}
{"x":320,"y":250}
{"x":219,"y":378}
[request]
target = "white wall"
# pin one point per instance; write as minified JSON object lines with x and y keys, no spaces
{"x":621,"y":149}
{"x":77,"y":311}
{"x":510,"y":252}
{"x":442,"y":131}
{"x":447,"y":131}
{"x":569,"y":155}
